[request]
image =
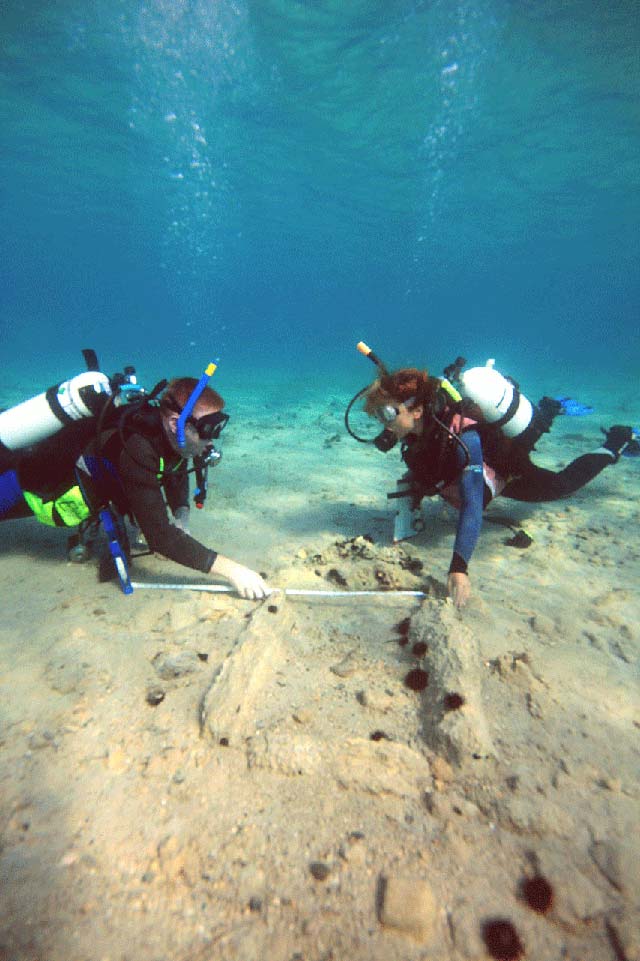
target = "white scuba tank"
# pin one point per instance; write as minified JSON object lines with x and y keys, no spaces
{"x":498,"y":399}
{"x":44,"y":415}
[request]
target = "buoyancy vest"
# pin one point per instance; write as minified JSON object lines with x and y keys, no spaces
{"x":99,"y":464}
{"x":66,"y":510}
{"x":46,"y":476}
{"x":495,"y":483}
{"x":432,"y":457}
{"x":44,"y":479}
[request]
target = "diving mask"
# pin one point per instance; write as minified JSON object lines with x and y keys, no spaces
{"x":388,"y":412}
{"x":209,"y":426}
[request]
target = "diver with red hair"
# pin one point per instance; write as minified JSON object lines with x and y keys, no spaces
{"x":151,"y":465}
{"x":472,"y":446}
{"x":113,"y":463}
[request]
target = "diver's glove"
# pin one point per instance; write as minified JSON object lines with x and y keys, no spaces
{"x":246,"y":582}
{"x":181,"y":518}
{"x":617,"y":439}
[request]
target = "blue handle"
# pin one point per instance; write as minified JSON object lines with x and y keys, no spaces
{"x":118,"y":555}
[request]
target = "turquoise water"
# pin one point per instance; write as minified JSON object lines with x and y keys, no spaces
{"x":269,"y":181}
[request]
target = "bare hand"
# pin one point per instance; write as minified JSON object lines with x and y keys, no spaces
{"x":459,"y":587}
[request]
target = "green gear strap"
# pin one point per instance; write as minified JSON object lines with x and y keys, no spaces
{"x":175,"y":467}
{"x":450,"y":390}
{"x":68,"y":510}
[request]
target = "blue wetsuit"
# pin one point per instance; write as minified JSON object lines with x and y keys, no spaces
{"x":471,"y":490}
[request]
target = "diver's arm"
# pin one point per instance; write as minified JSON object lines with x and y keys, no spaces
{"x":471,"y":490}
{"x":138,"y":466}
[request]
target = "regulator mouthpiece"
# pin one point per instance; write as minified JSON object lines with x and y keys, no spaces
{"x":385,"y":440}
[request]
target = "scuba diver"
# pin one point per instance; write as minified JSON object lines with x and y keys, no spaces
{"x":96,"y":450}
{"x":469,"y":443}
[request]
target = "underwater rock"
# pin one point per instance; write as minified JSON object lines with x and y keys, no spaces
{"x":409,"y":906}
{"x":319,"y":870}
{"x":289,"y":755}
{"x":623,"y":928}
{"x":155,"y":696}
{"x":360,"y":564}
{"x":377,"y":767}
{"x":381,"y":767}
{"x":230,"y":707}
{"x":620,"y":864}
{"x":337,"y":577}
{"x":453,"y":663}
{"x":347,"y":666}
{"x":171,"y":666}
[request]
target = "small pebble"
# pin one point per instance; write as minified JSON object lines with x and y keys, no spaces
{"x":346,"y":667}
{"x":155,"y":696}
{"x":319,"y":870}
{"x":379,"y":736}
{"x":409,"y":906}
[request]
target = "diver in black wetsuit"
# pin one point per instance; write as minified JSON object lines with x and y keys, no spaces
{"x":450,"y":452}
{"x":138,"y":466}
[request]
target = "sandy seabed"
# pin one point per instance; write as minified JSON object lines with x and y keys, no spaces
{"x":322,"y":779}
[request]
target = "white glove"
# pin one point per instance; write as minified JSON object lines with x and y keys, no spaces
{"x":246,"y":582}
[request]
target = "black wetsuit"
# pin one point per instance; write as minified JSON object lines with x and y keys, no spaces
{"x":47,"y":468}
{"x":136,"y":469}
{"x":537,"y":484}
{"x":436,"y":461}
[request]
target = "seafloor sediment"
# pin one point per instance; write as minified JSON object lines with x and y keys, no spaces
{"x":195,"y":777}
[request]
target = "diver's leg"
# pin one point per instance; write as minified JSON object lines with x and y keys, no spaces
{"x":538,"y":484}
